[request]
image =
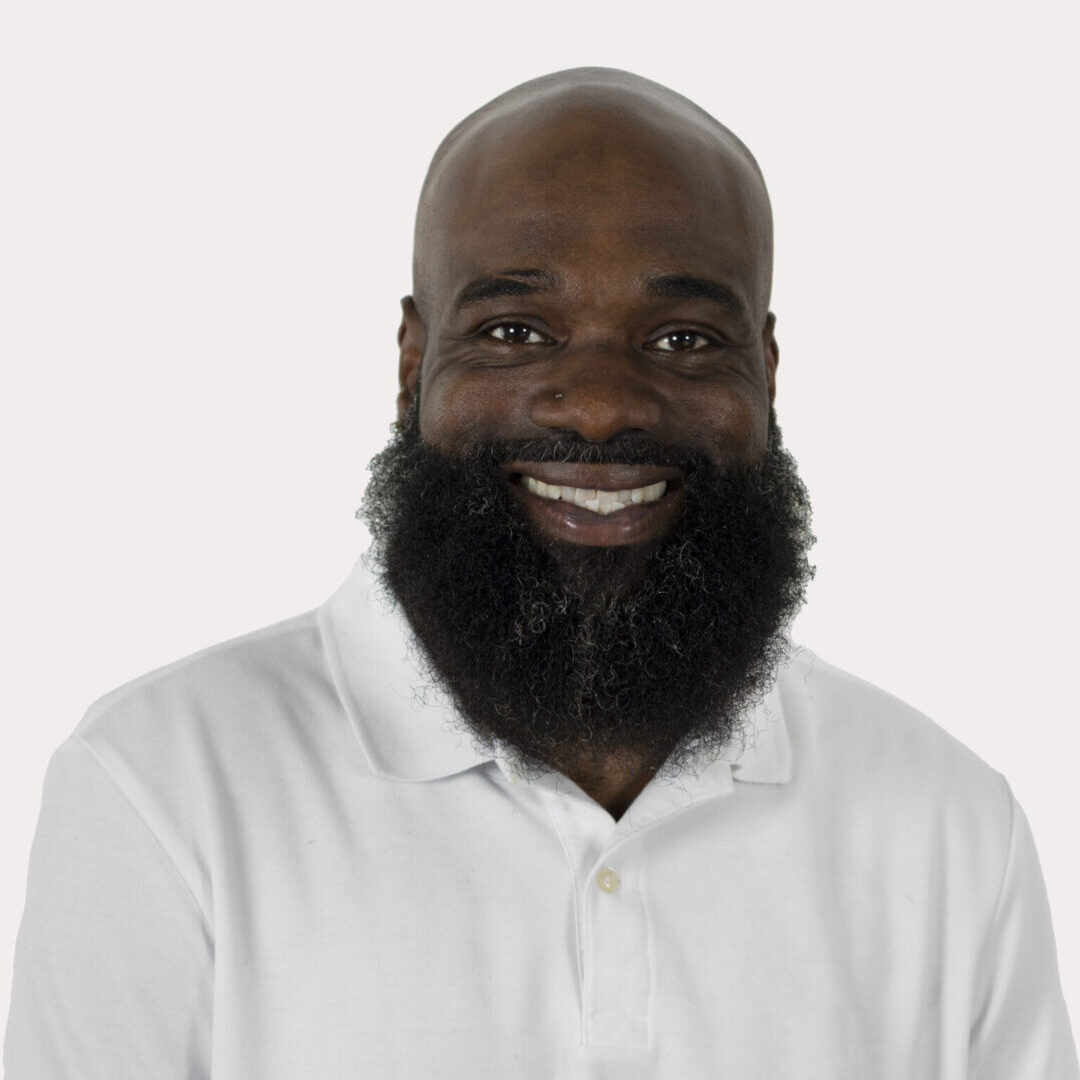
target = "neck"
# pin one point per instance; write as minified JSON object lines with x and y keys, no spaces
{"x":613,"y":783}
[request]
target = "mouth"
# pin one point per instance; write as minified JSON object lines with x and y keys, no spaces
{"x":597,"y":505}
{"x":596,"y":500}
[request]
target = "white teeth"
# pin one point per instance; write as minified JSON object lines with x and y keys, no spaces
{"x":598,"y":501}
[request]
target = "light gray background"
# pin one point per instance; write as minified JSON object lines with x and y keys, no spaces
{"x":206,"y":230}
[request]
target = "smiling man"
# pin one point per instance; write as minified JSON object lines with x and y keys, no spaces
{"x":544,"y":790}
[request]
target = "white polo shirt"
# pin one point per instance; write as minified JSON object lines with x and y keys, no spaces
{"x":270,"y":861}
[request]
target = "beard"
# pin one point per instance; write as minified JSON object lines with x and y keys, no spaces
{"x":557,"y":654}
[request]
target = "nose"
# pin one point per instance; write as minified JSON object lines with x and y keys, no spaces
{"x":598,"y":393}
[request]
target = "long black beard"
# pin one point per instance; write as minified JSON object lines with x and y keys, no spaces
{"x":556,"y":653}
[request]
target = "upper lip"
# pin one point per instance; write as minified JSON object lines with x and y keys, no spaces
{"x":599,"y":477}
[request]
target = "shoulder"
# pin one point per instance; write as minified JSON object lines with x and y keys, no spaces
{"x":229,"y":685}
{"x":201,"y":735}
{"x":865,"y":745}
{"x":832,"y":711}
{"x":202,"y":745}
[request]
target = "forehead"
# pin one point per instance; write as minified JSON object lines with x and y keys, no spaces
{"x":628,"y":190}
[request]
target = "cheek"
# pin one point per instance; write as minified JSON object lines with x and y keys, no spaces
{"x":733,"y":425}
{"x":458,"y":409}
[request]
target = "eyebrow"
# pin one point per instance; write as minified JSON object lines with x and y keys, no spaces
{"x":504,"y":283}
{"x":527,"y":282}
{"x":688,"y":287}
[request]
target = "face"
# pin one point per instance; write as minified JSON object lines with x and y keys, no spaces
{"x":601,"y":279}
{"x":586,"y":512}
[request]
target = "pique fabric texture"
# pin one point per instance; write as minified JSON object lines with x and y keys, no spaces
{"x":281,"y":859}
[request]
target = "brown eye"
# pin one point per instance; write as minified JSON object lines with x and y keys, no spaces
{"x":515,"y":334}
{"x":681,"y":341}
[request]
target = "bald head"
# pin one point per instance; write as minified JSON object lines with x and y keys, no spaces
{"x":570,"y":135}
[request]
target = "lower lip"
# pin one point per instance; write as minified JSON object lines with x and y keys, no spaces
{"x":576,"y":525}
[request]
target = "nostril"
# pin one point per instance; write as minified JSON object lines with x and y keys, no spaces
{"x":596,"y":408}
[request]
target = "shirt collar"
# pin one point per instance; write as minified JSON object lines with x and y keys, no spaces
{"x":408,"y":728}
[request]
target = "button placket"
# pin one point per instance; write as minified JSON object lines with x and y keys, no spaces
{"x":612,"y":930}
{"x":617,"y":974}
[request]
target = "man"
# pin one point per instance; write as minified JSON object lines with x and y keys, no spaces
{"x":542,"y":790}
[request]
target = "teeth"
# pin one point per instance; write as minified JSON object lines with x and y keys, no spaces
{"x":598,"y":501}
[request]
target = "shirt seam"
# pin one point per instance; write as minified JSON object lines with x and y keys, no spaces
{"x":987,"y":939}
{"x":94,"y":756}
{"x":1008,"y":854}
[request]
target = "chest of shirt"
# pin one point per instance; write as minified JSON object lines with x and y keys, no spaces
{"x":473,"y":927}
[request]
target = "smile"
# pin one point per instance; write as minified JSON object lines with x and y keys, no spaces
{"x":598,"y":505}
{"x":597,"y":500}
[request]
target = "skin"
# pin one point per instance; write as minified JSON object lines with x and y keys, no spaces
{"x":562,"y":240}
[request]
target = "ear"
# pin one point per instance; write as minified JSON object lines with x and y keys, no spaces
{"x":772,"y":354}
{"x":411,"y":343}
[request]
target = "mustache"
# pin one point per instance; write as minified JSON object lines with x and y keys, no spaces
{"x":623,"y":449}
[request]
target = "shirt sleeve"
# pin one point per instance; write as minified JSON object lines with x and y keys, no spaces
{"x":1021,"y":1029}
{"x":114,"y":958}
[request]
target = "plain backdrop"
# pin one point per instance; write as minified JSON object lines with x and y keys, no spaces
{"x":206,"y":232}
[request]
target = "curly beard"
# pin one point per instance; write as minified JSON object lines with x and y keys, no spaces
{"x":555,"y":653}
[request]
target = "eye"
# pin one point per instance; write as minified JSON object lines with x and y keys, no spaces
{"x":682,"y":341}
{"x":513,"y":333}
